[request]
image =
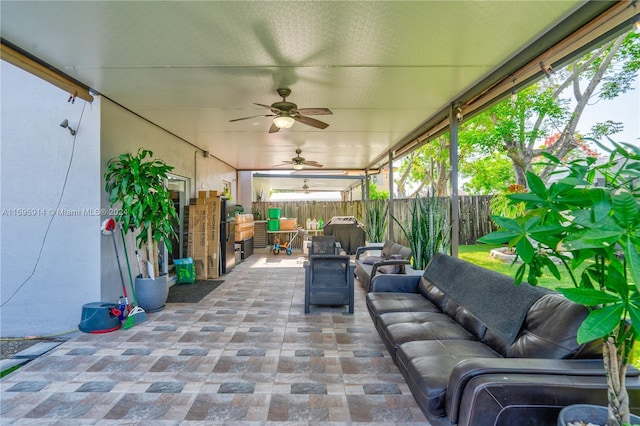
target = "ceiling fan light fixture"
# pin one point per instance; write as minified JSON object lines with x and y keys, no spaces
{"x":283,"y":121}
{"x":298,"y":166}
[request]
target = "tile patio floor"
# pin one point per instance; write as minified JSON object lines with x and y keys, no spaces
{"x":246,"y":354}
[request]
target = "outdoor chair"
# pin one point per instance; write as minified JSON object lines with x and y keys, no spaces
{"x":328,"y":280}
{"x":324,"y":244}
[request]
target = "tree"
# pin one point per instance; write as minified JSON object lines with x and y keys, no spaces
{"x":377,"y":194}
{"x":427,"y":169}
{"x":544,"y":112}
{"x":488,"y":174}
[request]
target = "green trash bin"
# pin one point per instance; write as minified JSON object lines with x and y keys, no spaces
{"x":185,"y":271}
{"x":274,"y":213}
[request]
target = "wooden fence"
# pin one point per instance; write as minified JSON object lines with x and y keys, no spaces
{"x":475,"y":214}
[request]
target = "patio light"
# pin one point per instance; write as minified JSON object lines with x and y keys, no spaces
{"x":65,"y":125}
{"x":283,"y":121}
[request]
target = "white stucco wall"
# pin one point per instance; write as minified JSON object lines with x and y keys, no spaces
{"x":49,"y":191}
{"x":53,"y":258}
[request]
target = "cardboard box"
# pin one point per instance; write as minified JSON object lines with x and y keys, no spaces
{"x":244,"y":218}
{"x":202,"y":267}
{"x":209,"y":193}
{"x":243,"y":235}
{"x":213,"y":267}
{"x":244,"y":226}
{"x":197,"y":233}
{"x":288,"y":224}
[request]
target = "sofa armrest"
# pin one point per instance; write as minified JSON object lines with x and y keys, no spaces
{"x":470,"y":369}
{"x":392,"y":262}
{"x":517,"y":399}
{"x":395,"y":283}
{"x":364,"y":249}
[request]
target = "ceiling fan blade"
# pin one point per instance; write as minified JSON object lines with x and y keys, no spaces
{"x":262,"y":105}
{"x":312,"y":164}
{"x":274,"y":110}
{"x":274,"y":128}
{"x":253,"y":116}
{"x":314,"y":111}
{"x":311,"y":122}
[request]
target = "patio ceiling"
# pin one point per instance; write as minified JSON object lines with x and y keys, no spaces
{"x":383,"y":68}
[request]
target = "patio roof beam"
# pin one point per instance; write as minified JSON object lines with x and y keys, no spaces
{"x":27,"y":63}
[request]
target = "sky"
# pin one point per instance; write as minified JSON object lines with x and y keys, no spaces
{"x":624,"y":108}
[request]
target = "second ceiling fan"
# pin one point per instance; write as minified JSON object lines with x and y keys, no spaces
{"x":286,"y":113}
{"x":299,"y":162}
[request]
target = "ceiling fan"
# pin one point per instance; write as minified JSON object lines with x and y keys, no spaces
{"x":305,"y":187}
{"x":299,"y":162}
{"x":286,"y":113}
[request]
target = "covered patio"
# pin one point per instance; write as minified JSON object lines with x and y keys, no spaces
{"x":245,"y":354}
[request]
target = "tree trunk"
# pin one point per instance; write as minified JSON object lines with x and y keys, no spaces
{"x":618,"y":396}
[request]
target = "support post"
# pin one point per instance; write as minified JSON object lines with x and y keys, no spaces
{"x":390,"y":214}
{"x":454,"y":210}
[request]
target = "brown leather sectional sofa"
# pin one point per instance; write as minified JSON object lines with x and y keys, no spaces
{"x":475,"y":349}
{"x":393,"y":258}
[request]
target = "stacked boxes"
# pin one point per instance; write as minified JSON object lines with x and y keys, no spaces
{"x":244,"y":227}
{"x":204,"y":234}
{"x":197,"y":247}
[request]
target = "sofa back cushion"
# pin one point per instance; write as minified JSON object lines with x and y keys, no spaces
{"x":465,"y":318}
{"x":390,"y":248}
{"x":432,"y":293}
{"x":550,"y":330}
{"x":492,"y":298}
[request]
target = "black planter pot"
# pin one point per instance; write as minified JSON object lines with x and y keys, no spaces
{"x":587,"y":413}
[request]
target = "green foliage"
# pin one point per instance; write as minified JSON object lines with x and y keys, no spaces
{"x":137,"y":186}
{"x":501,"y":205}
{"x":376,"y":220}
{"x":576,"y":221}
{"x":377,"y":194}
{"x":427,"y":231}
{"x":488,"y":174}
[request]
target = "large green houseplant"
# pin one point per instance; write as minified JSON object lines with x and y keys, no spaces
{"x":136,"y":184}
{"x":589,"y":220}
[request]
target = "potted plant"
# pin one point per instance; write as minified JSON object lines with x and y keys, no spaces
{"x":376,"y":220}
{"x":427,"y":230}
{"x":137,"y":187}
{"x":588,"y":220}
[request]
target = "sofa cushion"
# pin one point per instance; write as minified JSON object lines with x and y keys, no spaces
{"x":421,"y":326}
{"x":432,"y":293}
{"x":465,"y":318}
{"x":426,"y":366}
{"x":491,"y":297}
{"x":542,"y":337}
{"x":381,"y":303}
{"x":390,"y":248}
{"x":389,"y":269}
{"x":370,"y":260}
